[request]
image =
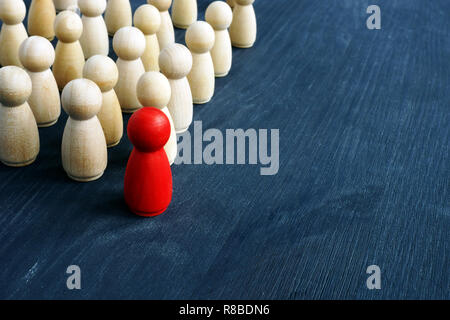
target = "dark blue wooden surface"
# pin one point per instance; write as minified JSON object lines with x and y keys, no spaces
{"x":364,"y":176}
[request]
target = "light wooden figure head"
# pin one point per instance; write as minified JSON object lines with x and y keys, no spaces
{"x":175,"y":61}
{"x":68,"y":26}
{"x":81,"y":99}
{"x":244,"y":2}
{"x":12,"y":11}
{"x":129,"y":43}
{"x":91,"y":8}
{"x":103,"y":71}
{"x":219,"y":15}
{"x":15,"y":86}
{"x":147,"y":19}
{"x":36,"y":54}
{"x":200,"y":37}
{"x":153,"y":90}
{"x":161,"y":5}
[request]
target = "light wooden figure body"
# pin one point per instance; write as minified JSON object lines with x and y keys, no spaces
{"x":184,"y":13}
{"x":166,"y":34}
{"x":37,"y":56}
{"x":94,"y":39}
{"x":69,"y":57}
{"x":41,"y":19}
{"x":13,"y":33}
{"x":148,"y":20}
{"x":175,"y":62}
{"x":83,"y":149}
{"x":61,"y":5}
{"x":231,"y":3}
{"x":103,"y":71}
{"x":243,"y":27}
{"x":200,"y":40}
{"x":219,"y":16}
{"x":129,"y":45}
{"x":19,"y":136}
{"x":153,"y":90}
{"x":118,"y":15}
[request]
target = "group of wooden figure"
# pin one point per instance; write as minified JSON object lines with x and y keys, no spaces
{"x":151,"y":71}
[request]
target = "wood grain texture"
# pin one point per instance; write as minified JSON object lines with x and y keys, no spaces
{"x":94,"y":39}
{"x":175,"y":62}
{"x":103,"y":71}
{"x":219,"y":16}
{"x":166,"y":33}
{"x":37,"y":56}
{"x":19,"y":137}
{"x":200,"y":40}
{"x":243,"y":29}
{"x":129,"y":45}
{"x":184,"y":13}
{"x":118,"y":15}
{"x":83,"y":147}
{"x":364,"y":176}
{"x":148,"y":19}
{"x":12,"y":33}
{"x":69,"y":56}
{"x":41,"y":18}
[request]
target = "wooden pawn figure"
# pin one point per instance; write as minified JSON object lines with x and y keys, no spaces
{"x":103,"y":71}
{"x":19,"y":136}
{"x":94,"y":39}
{"x":13,"y":33}
{"x":153,"y":90}
{"x":231,"y":3}
{"x":148,"y":178}
{"x":200,"y":40}
{"x":219,"y":16}
{"x":148,"y":20}
{"x":184,"y":13}
{"x":83,"y":148}
{"x":243,"y":27}
{"x":129,"y":45}
{"x":37,"y":56}
{"x":61,"y":5}
{"x":175,"y":62}
{"x":41,"y":19}
{"x":118,"y":15}
{"x":69,"y":57}
{"x":166,"y":34}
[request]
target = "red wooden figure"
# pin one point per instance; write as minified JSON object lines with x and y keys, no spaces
{"x":148,"y":178}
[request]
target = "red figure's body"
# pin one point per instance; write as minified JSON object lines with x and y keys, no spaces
{"x":148,"y":178}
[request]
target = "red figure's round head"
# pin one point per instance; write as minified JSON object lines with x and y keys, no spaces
{"x":148,"y":129}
